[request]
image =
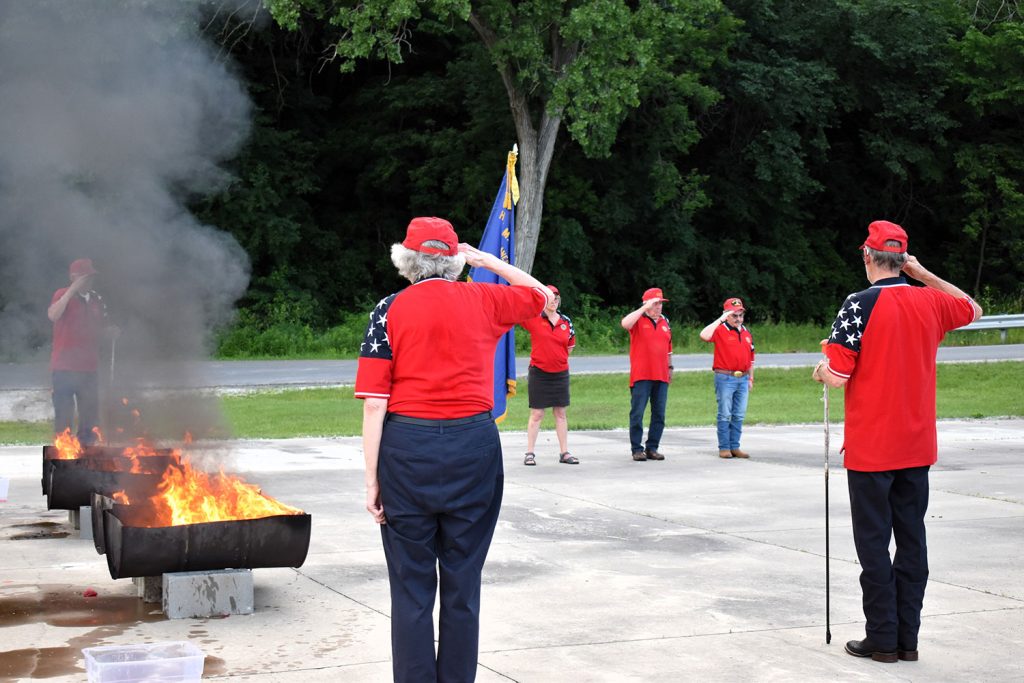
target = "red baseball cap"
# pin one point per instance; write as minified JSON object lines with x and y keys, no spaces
{"x":554,"y":290}
{"x":428,"y":228}
{"x":733,"y":304}
{"x":82,"y":266}
{"x":654,"y":293}
{"x":880,"y":232}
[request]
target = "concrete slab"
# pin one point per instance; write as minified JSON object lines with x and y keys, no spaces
{"x":694,"y":568}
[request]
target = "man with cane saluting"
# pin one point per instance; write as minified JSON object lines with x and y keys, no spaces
{"x":882,"y":349}
{"x":79,"y":319}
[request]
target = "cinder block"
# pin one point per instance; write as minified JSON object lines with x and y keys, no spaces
{"x":85,"y":522}
{"x":189,"y":595}
{"x":150,"y":588}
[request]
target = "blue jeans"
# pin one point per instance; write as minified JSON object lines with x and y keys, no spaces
{"x":732,"y":393}
{"x":70,"y":388}
{"x":642,"y":391}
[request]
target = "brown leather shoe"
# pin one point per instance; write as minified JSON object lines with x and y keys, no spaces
{"x":724,"y":454}
{"x":639,"y":456}
{"x":737,"y":453}
{"x":653,"y":455}
{"x":907,"y":655}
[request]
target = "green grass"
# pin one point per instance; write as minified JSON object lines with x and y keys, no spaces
{"x":780,"y":396}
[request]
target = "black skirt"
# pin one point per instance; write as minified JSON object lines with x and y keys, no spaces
{"x":548,"y":389}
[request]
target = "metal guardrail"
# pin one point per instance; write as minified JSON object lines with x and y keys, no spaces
{"x":997,"y":322}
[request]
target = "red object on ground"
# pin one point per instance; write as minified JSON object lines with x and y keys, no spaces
{"x":89,"y":593}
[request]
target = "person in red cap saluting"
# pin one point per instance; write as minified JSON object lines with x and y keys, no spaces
{"x":78,"y":316}
{"x":552,"y":339}
{"x":650,"y":371}
{"x":433,"y":459}
{"x":882,"y":350}
{"x":733,"y":367}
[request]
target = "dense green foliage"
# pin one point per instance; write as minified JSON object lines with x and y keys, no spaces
{"x":746,"y":161}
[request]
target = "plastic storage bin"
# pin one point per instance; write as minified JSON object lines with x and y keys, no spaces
{"x":171,"y":661}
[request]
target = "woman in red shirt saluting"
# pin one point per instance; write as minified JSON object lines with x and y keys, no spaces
{"x":552,"y":339}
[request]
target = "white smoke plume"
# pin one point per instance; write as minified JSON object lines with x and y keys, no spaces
{"x":112,"y":116}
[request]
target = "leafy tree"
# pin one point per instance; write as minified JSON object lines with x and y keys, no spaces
{"x":583,"y":63}
{"x":990,"y":158}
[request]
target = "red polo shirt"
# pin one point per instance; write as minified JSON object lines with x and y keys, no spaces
{"x":550,"y":343}
{"x":734,"y":348}
{"x":429,"y":349}
{"x":76,"y":334}
{"x":650,"y":347}
{"x":884,"y":342}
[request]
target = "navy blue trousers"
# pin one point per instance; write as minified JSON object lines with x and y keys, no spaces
{"x":441,"y":488}
{"x":885,"y":505}
{"x":71,"y":387}
{"x":642,"y":391}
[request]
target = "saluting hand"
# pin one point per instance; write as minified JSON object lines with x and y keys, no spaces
{"x":914,"y":269}
{"x":474,"y":257}
{"x":80,"y":285}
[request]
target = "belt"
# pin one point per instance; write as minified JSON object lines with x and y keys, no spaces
{"x":405,"y":419}
{"x":731,"y":373}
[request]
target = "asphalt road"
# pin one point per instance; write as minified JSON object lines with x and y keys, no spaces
{"x":241,"y":374}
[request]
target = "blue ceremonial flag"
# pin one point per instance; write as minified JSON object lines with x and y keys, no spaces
{"x":499,"y":239}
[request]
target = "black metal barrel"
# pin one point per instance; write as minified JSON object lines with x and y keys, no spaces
{"x":72,"y":482}
{"x":133,"y":549}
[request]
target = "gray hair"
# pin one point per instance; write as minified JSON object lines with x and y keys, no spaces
{"x":414,"y":265}
{"x":888,"y":260}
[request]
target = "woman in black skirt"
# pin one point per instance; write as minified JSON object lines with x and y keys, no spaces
{"x":552,"y":339}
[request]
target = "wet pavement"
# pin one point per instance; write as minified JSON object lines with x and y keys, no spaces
{"x":694,"y":568}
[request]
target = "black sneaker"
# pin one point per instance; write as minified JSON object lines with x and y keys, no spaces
{"x":865,"y":648}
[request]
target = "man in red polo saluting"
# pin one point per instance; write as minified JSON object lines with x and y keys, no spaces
{"x":733,"y":366}
{"x":882,"y":350}
{"x":79,"y":320}
{"x":650,"y":371}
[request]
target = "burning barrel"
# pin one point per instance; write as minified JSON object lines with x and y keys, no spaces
{"x":69,"y":482}
{"x":135,"y":549}
{"x":198,"y":521}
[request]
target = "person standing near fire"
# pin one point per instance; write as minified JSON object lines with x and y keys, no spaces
{"x":79,"y":319}
{"x":433,"y":459}
{"x":552,"y":339}
{"x":733,"y":367}
{"x":650,"y":372}
{"x":882,"y":351}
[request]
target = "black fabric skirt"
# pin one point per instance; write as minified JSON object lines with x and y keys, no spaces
{"x":548,"y":389}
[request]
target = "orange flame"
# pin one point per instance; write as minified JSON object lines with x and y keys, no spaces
{"x":67,"y":445}
{"x":120,"y":497}
{"x":187,"y":495}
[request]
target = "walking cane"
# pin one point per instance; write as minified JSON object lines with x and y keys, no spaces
{"x":113,"y":350}
{"x":828,"y":611}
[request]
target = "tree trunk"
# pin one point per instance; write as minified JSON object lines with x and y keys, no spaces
{"x":981,"y":260}
{"x":535,"y":154}
{"x":536,"y":147}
